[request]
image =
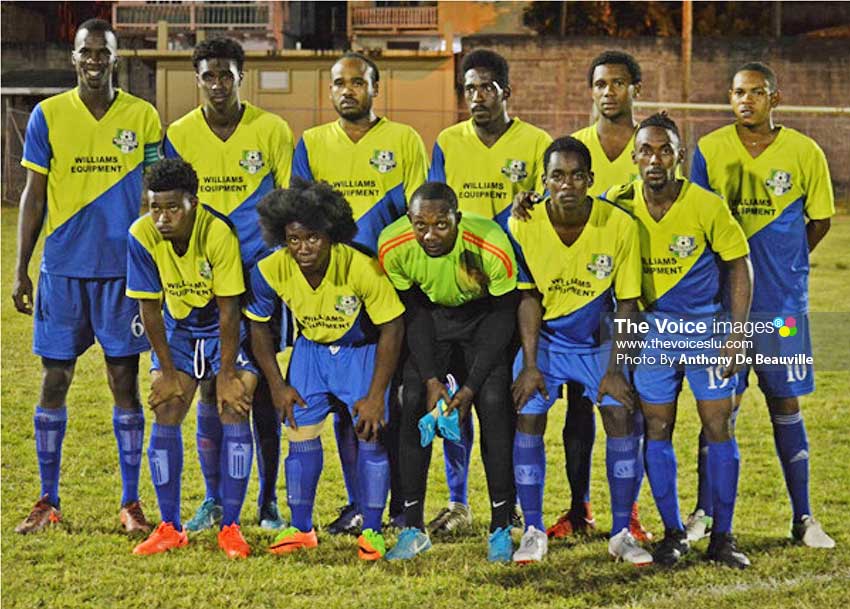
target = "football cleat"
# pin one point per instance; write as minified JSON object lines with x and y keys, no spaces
{"x":500,"y":547}
{"x":270,"y":518}
{"x":571,"y":523}
{"x":810,"y":533}
{"x":291,"y":539}
{"x":397,"y":522}
{"x":623,"y":546}
{"x":230,"y":540}
{"x":164,"y":538}
{"x":348,"y":522}
{"x":672,"y":548}
{"x":698,"y":526}
{"x":532,"y":547}
{"x":371,"y":545}
{"x":41,"y":515}
{"x":451,"y":518}
{"x":723,"y":549}
{"x":516,"y":520}
{"x":411,"y":542}
{"x":133,"y":518}
{"x":207,"y":515}
{"x":636,"y":528}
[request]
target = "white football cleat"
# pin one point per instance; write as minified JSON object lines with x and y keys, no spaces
{"x":810,"y":533}
{"x":532,"y":547}
{"x":623,"y":546}
{"x":698,"y":526}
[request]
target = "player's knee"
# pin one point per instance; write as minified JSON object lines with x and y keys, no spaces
{"x":123,"y":376}
{"x":55,"y":381}
{"x":229,"y":416}
{"x":171,"y":412}
{"x":659,"y":427}
{"x":616,"y":420}
{"x":717,"y":429}
{"x":780,"y":406}
{"x":305,"y":433}
{"x":531,"y":424}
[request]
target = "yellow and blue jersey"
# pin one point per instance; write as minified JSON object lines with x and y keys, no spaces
{"x":771,"y":196}
{"x":377,"y":175}
{"x":189,"y":283}
{"x":352,"y":298}
{"x":679,"y":253}
{"x":94,"y":179}
{"x":607,"y":173}
{"x":481,"y":263}
{"x":235,"y":174}
{"x":578,"y":282}
{"x":486,"y":179}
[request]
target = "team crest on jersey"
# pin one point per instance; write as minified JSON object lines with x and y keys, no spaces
{"x":601,"y":265}
{"x":779,"y":182}
{"x":252,"y":161}
{"x":514,"y":170}
{"x":683,"y":246}
{"x":125,"y":140}
{"x":205,"y":270}
{"x":383,"y":160}
{"x":347,"y":305}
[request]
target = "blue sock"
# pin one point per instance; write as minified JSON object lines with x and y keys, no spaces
{"x":165,"y":458}
{"x":373,"y":472}
{"x":661,"y":470}
{"x":724,"y":463}
{"x":49,"y":432}
{"x":209,"y":448}
{"x":638,"y":431}
{"x":621,"y":457}
{"x":236,"y":457}
{"x":303,"y":467}
{"x":792,"y":446}
{"x":268,"y":480}
{"x":705,"y":502}
{"x":530,"y":477}
{"x":129,"y":428}
{"x":456,"y":456}
{"x":346,"y":443}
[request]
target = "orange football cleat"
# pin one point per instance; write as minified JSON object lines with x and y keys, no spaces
{"x":292,"y":539}
{"x":636,"y":528}
{"x":570,"y":524}
{"x":165,"y":537}
{"x":231,"y":541}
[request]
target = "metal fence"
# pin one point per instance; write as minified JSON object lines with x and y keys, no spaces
{"x":14,"y":176}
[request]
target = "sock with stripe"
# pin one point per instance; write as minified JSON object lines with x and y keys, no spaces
{"x":237,"y":454}
{"x":165,"y":458}
{"x":129,"y":429}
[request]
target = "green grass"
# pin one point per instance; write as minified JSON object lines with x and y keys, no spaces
{"x":87,"y":562}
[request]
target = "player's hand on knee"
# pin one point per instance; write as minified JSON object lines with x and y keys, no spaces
{"x":370,"y":413}
{"x":165,"y":387}
{"x":615,"y":384}
{"x":522,"y":204}
{"x":434,"y":391}
{"x":230,"y":392}
{"x":529,"y":381}
{"x":462,"y":401}
{"x":285,"y":398}
{"x":22,"y":294}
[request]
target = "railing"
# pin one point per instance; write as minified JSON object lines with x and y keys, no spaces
{"x":393,"y":18}
{"x":140,"y":16}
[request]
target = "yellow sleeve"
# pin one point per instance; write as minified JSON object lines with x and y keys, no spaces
{"x":415,"y":164}
{"x":375,"y":291}
{"x":283,"y":145}
{"x":225,"y":261}
{"x":723,"y":232}
{"x":820,"y":199}
{"x":627,"y":266}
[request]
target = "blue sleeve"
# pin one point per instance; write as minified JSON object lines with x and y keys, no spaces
{"x":142,"y":274}
{"x":261,"y":298}
{"x":168,"y":149}
{"x":301,"y":162}
{"x":37,"y":149}
{"x":437,"y":171}
{"x":523,"y":275}
{"x":699,"y":171}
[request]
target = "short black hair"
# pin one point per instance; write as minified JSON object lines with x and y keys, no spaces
{"x":616,"y":57}
{"x":660,"y":119}
{"x":761,"y":68}
{"x":376,"y":74}
{"x":171,"y":174}
{"x":489,"y":60}
{"x":219,"y":48}
{"x":315,"y":205}
{"x":435,"y":191}
{"x":567,"y":144}
{"x":96,"y":25}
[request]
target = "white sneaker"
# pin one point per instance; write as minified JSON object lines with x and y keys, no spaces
{"x":623,"y":546}
{"x":810,"y":533}
{"x":698,"y":526}
{"x":532,"y":547}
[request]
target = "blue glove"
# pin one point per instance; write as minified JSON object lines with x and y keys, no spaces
{"x":427,"y":429}
{"x":448,"y":426}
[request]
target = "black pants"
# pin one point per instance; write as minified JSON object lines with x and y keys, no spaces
{"x":496,"y":417}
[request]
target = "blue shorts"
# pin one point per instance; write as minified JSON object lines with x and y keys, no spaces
{"x":559,"y":367}
{"x":786,"y":380}
{"x":326,"y":375}
{"x":71,"y":312}
{"x":200,"y":358}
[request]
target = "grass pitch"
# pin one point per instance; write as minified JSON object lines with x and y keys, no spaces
{"x":87,"y":562}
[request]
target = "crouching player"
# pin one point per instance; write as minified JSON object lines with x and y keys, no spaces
{"x":188,"y":255}
{"x":349,"y":319}
{"x":687,"y":236}
{"x":576,"y":256}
